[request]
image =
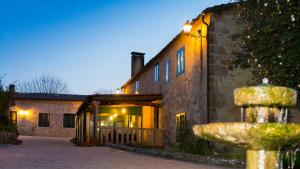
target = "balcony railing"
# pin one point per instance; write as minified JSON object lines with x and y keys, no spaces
{"x":138,"y":136}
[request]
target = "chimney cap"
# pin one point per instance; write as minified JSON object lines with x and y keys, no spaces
{"x":12,"y":88}
{"x":137,"y":54}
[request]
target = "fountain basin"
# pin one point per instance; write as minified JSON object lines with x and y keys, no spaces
{"x":254,"y":136}
{"x":265,"y":95}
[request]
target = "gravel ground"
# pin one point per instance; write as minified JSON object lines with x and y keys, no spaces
{"x":58,"y":153}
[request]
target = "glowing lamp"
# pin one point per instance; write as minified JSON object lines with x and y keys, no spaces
{"x":123,"y":110}
{"x":187,"y":27}
{"x":24,"y":113}
{"x":119,"y":91}
{"x":111,"y":117}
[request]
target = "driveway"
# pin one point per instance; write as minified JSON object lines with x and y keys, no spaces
{"x":58,"y":153}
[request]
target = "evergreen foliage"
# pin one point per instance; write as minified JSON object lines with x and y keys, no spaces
{"x":271,"y":40}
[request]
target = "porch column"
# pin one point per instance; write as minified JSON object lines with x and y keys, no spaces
{"x":97,"y":123}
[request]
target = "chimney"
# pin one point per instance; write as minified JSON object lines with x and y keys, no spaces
{"x":137,"y":62}
{"x":12,"y":88}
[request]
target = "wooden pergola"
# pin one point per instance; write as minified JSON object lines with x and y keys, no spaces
{"x":89,"y":130}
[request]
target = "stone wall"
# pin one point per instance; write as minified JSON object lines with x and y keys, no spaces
{"x":28,"y":124}
{"x":181,"y":93}
{"x":188,"y":92}
{"x":223,"y":29}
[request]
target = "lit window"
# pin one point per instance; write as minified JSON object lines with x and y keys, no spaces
{"x":44,"y":120}
{"x":180,"y":61}
{"x":180,"y":120}
{"x":156,"y":72}
{"x":69,"y":120}
{"x":167,"y":70}
{"x":13,"y":117}
{"x":137,"y":86}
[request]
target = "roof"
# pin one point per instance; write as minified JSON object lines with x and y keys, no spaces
{"x":45,"y":96}
{"x":115,"y":99}
{"x":217,"y":8}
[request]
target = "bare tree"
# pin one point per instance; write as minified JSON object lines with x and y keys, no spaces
{"x":45,"y":83}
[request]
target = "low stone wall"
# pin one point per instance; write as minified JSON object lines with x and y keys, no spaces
{"x":7,"y":137}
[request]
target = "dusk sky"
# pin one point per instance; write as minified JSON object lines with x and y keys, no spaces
{"x":87,"y":43}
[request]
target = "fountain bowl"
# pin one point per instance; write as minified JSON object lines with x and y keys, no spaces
{"x":254,"y":136}
{"x":265,"y":95}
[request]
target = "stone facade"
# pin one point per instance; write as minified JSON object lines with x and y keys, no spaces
{"x":28,"y":123}
{"x":181,"y":93}
{"x":224,"y":27}
{"x":205,"y":90}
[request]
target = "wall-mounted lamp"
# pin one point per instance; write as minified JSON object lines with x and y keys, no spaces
{"x":119,"y":91}
{"x":187,"y":27}
{"x":23,"y":113}
{"x":123,"y":110}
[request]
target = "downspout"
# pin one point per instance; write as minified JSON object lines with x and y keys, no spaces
{"x":207,"y":64}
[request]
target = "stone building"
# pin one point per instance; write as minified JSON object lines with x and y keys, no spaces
{"x":50,"y":115}
{"x":193,"y":73}
{"x":188,"y":82}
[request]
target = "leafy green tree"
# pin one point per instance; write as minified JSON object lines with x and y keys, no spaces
{"x":271,"y":40}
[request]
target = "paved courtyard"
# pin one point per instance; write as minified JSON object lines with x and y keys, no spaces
{"x":57,"y":153}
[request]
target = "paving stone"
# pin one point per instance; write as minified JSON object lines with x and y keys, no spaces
{"x":59,"y":153}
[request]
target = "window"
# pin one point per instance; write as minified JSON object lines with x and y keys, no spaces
{"x":137,"y":86}
{"x":180,"y":61}
{"x":156,"y":72}
{"x":69,"y":120}
{"x":13,"y":117}
{"x":167,"y":70}
{"x":44,"y":120}
{"x":180,"y":120}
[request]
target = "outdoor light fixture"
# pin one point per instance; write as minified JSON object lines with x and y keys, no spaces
{"x":119,"y":91}
{"x":24,"y":113}
{"x":187,"y":27}
{"x":123,"y":110}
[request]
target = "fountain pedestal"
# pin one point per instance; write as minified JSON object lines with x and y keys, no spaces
{"x":262,"y":159}
{"x":264,"y":129}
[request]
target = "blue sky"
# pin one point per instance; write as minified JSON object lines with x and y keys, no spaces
{"x":87,"y":43}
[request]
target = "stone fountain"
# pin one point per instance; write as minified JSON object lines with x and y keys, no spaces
{"x":265,"y":126}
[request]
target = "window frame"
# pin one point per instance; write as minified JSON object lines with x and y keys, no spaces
{"x":69,"y":114}
{"x":180,"y":58}
{"x":156,"y":72}
{"x":49,"y":120}
{"x":167,"y":70}
{"x":180,"y":120}
{"x":137,"y":86}
{"x":13,"y":121}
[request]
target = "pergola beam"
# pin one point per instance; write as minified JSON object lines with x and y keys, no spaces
{"x":131,"y":103}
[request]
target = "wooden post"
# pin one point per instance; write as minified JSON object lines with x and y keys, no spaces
{"x":127,"y":136}
{"x":96,"y":123}
{"x":117,"y":135}
{"x":122,"y":136}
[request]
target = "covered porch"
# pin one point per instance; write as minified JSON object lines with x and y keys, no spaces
{"x":120,"y":119}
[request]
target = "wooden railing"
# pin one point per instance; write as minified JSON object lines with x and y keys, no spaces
{"x":140,"y":136}
{"x":7,"y":137}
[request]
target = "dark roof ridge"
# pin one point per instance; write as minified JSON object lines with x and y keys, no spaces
{"x":47,"y":96}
